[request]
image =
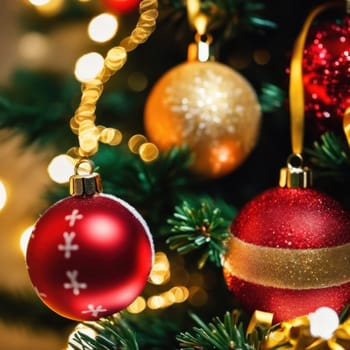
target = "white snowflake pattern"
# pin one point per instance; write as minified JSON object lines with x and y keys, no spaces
{"x":94,"y":310}
{"x":73,"y":217}
{"x":74,"y":284}
{"x":68,"y":247}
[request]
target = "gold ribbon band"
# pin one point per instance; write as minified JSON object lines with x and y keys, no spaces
{"x":288,"y":268}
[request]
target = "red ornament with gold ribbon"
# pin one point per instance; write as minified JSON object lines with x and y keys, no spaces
{"x":289,"y":252}
{"x":290,"y":246}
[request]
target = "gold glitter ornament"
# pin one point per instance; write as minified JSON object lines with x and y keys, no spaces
{"x":211,"y":108}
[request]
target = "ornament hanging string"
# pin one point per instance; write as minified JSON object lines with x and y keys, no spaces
{"x":83,"y":121}
{"x":196,"y":18}
{"x":296,"y":88}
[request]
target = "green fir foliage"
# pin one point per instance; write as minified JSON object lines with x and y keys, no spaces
{"x":330,"y":154}
{"x":111,"y":333}
{"x":201,"y":224}
{"x":218,"y":334}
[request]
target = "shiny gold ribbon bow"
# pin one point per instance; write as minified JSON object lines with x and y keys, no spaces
{"x":295,"y":334}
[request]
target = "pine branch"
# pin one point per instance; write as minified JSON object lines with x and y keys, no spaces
{"x":218,"y":335}
{"x":271,"y":97}
{"x":111,"y":333}
{"x":201,"y":224}
{"x":152,"y":188}
{"x":226,"y":17}
{"x":330,"y":155}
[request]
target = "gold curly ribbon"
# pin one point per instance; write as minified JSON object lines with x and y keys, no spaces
{"x":295,"y":334}
{"x":296,"y":88}
{"x":83,"y":121}
{"x":307,"y":268}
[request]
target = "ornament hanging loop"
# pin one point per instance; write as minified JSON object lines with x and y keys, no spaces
{"x":85,"y":182}
{"x":295,"y":175}
{"x":84,"y":166}
{"x":200,"y":50}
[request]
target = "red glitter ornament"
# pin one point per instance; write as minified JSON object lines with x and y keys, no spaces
{"x":121,"y":6}
{"x":326,"y":76}
{"x":289,"y":253}
{"x":89,"y":256}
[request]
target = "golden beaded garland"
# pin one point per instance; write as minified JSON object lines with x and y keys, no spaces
{"x":83,"y":121}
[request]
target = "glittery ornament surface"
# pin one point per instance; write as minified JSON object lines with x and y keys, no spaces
{"x":286,"y":304}
{"x":289,"y":253}
{"x":326,"y":75}
{"x":208,"y":106}
{"x":293,"y":218}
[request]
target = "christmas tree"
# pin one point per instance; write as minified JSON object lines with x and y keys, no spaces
{"x":176,"y":174}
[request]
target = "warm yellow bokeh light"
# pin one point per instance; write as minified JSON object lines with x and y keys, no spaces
{"x":135,"y":142}
{"x":88,"y":66}
{"x":137,"y":81}
{"x":48,"y":7}
{"x":160,"y":272}
{"x":25,"y":237}
{"x":61,"y":168}
{"x":3,"y":195}
{"x":33,"y":47}
{"x":156,"y":302}
{"x":39,"y":2}
{"x":137,"y":306}
{"x":103,"y":27}
{"x":148,"y":152}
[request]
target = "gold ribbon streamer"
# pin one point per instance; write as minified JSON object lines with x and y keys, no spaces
{"x":346,"y":124}
{"x":288,"y":268}
{"x":296,"y":88}
{"x":83,"y":121}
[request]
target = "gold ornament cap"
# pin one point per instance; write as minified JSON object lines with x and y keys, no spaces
{"x":87,"y":183}
{"x":295,"y":175}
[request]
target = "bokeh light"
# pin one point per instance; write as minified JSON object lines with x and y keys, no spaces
{"x":39,"y":2}
{"x":137,"y":306}
{"x":25,"y":236}
{"x":103,"y":27}
{"x":137,"y":81}
{"x":33,"y":47}
{"x":148,"y":152}
{"x":61,"y":168}
{"x":48,"y":7}
{"x":88,"y":66}
{"x":3,"y":195}
{"x":323,"y":322}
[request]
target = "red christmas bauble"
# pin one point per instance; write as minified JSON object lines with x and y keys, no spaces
{"x":289,"y":253}
{"x":121,"y":6}
{"x":326,"y":76}
{"x":89,"y":256}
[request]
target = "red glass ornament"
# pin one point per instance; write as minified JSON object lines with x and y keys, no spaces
{"x":326,"y":76}
{"x":284,"y":221}
{"x":121,"y":6}
{"x":89,"y":256}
